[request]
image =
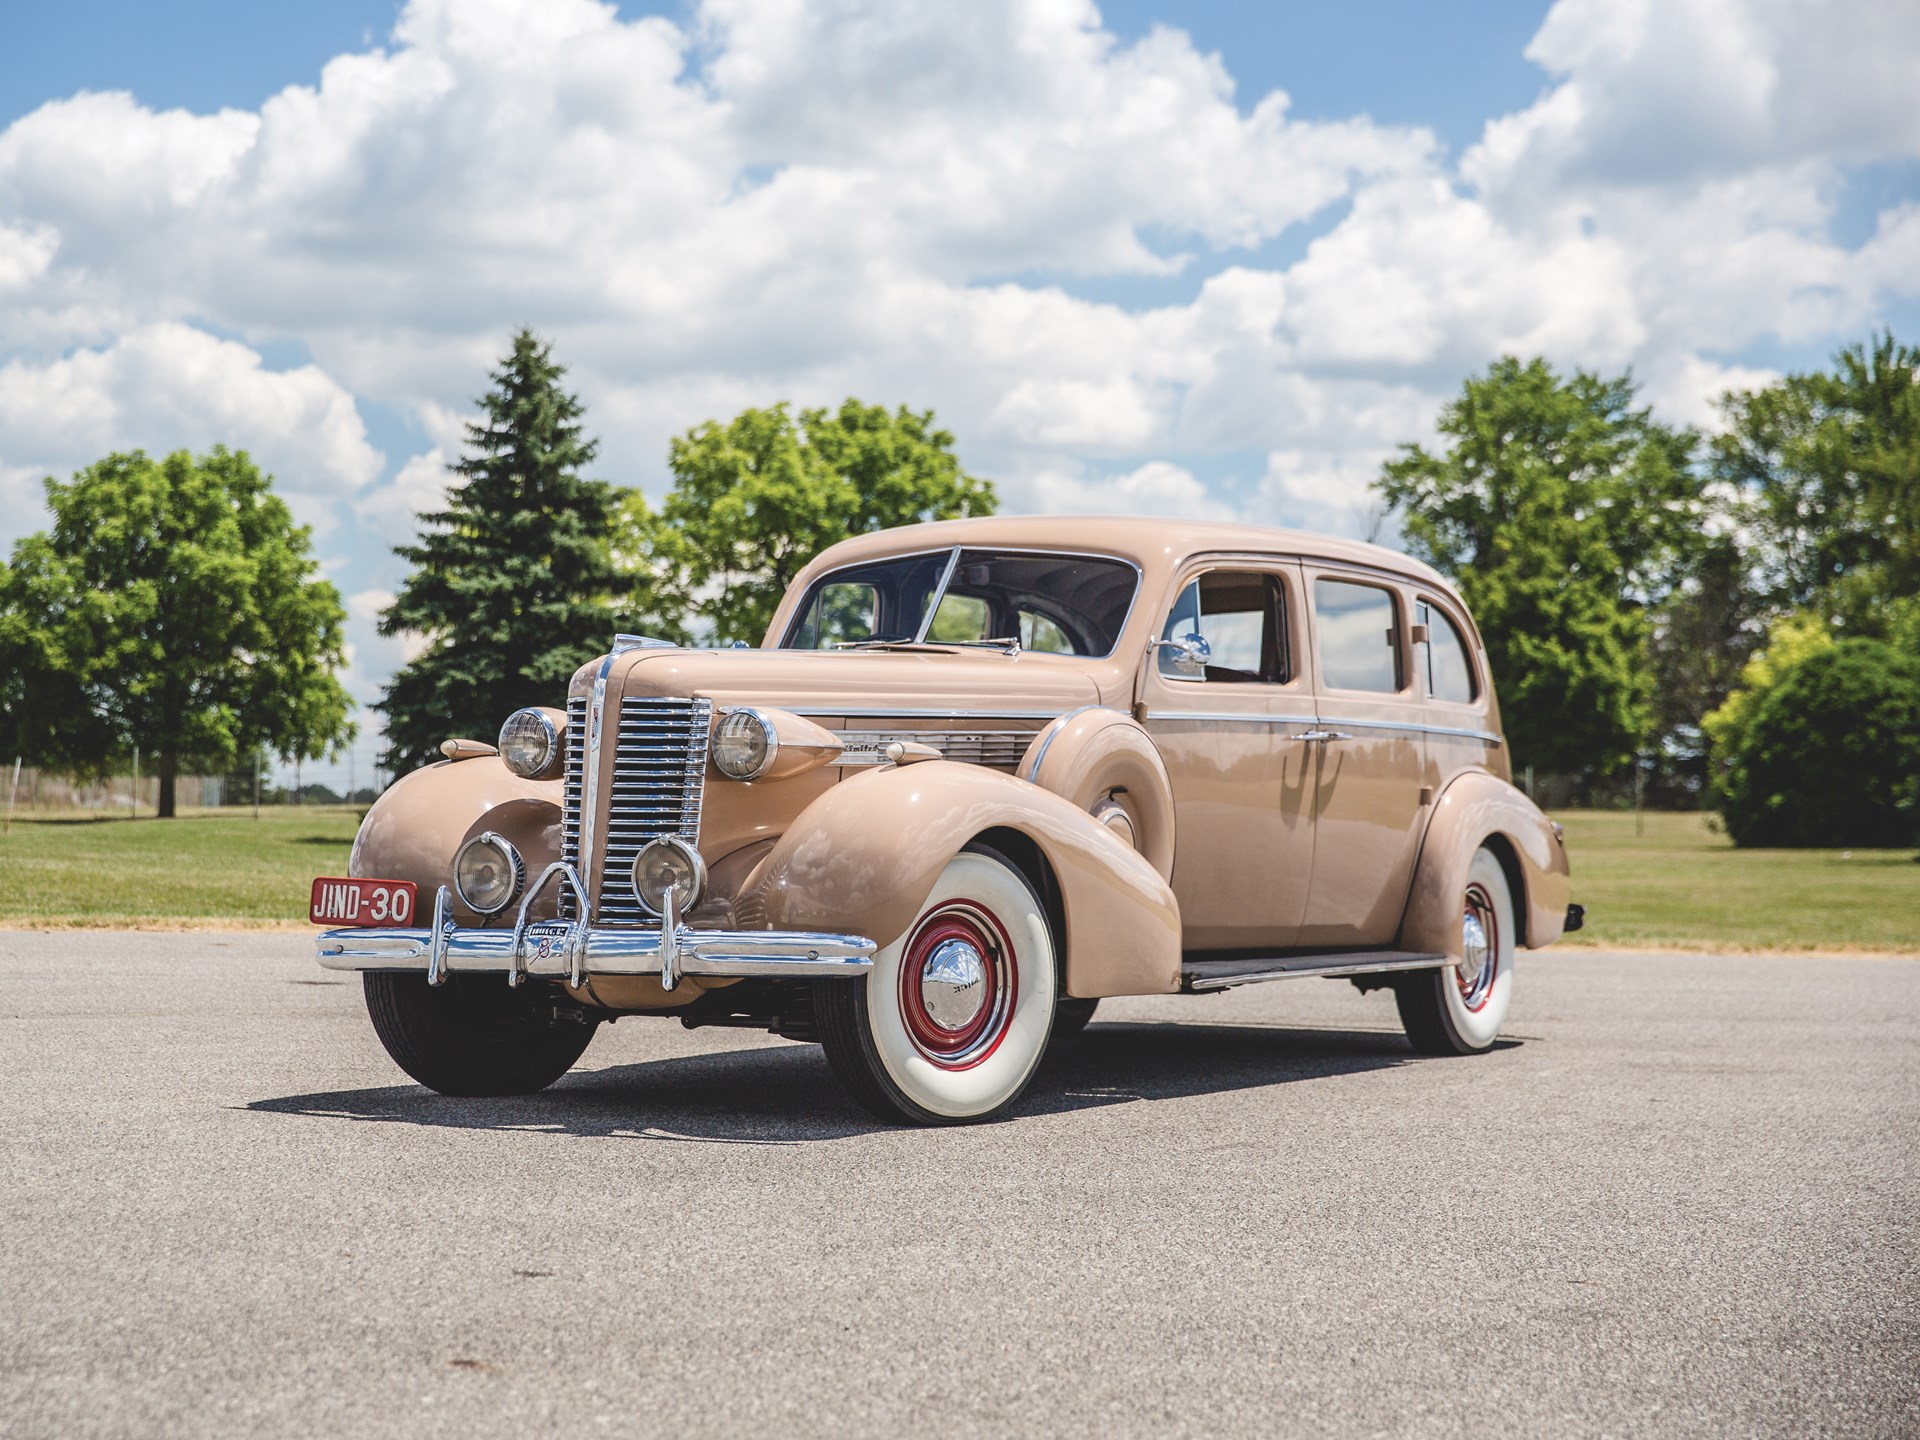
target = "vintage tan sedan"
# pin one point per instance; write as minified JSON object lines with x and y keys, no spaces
{"x":982,"y":774}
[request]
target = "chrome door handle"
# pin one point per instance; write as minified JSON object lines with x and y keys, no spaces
{"x":1322,"y":736}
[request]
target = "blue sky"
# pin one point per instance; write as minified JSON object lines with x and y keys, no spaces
{"x":1087,"y":238}
{"x":1401,"y":61}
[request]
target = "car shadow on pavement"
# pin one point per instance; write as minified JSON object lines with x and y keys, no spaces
{"x":785,"y":1095}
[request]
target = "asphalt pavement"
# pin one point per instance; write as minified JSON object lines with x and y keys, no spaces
{"x":1683,"y":1198}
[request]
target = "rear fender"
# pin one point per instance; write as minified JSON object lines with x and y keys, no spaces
{"x":864,"y":856}
{"x":1479,"y":809}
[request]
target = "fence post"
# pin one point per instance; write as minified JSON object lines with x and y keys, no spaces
{"x":13,"y":794}
{"x":136,"y":782}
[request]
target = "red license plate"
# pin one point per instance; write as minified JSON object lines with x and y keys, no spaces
{"x":362,"y":902}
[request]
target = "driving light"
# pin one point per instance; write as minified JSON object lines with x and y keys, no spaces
{"x":488,"y":873}
{"x":744,"y":744}
{"x":669,"y":863}
{"x":530,"y":744}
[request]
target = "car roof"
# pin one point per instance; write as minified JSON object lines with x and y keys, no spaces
{"x":1141,"y":539}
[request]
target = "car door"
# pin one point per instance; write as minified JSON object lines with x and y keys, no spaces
{"x":1226,"y":728}
{"x":1371,"y":765}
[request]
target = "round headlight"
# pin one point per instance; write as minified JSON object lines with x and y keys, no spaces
{"x":669,"y":863}
{"x":530,"y":745}
{"x":744,"y":744}
{"x":488,"y":873}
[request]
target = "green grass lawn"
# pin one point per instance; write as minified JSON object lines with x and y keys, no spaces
{"x":1681,"y":884}
{"x":206,"y":866}
{"x":1678,"y":884}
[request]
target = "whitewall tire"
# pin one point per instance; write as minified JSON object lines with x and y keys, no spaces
{"x":1459,"y":1010}
{"x":952,"y":1020}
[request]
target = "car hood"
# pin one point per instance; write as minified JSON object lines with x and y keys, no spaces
{"x":854,"y":682}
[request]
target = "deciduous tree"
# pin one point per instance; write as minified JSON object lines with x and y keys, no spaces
{"x":1829,"y":464}
{"x":756,"y":498}
{"x":172,"y":609}
{"x":1564,"y":513}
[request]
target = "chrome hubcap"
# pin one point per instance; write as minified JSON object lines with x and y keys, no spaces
{"x":1474,"y":948}
{"x":953,"y":984}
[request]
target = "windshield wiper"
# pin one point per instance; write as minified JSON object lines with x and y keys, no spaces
{"x":891,"y":645}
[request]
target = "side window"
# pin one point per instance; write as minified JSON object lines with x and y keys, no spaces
{"x":1442,"y":661}
{"x":1241,"y":614}
{"x":1357,"y":628}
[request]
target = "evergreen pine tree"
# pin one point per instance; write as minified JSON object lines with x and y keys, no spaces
{"x":514,"y":585}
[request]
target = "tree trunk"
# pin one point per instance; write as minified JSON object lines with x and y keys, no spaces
{"x":169,"y":768}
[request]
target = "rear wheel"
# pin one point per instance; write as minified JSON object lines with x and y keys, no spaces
{"x":1459,"y":1010}
{"x":474,"y":1035}
{"x":951,"y":1021}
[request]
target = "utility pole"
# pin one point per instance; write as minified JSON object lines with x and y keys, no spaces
{"x":256,"y":784}
{"x":136,"y":782}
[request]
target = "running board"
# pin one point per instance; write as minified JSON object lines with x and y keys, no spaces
{"x":1199,"y":975}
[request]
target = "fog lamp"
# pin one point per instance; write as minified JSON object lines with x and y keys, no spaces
{"x":488,"y":873}
{"x":744,"y":744}
{"x":669,"y":863}
{"x":530,"y":745}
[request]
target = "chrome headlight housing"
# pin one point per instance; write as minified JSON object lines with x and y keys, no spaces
{"x":487,"y":873}
{"x":530,"y":744}
{"x":669,"y":863}
{"x":744,"y":744}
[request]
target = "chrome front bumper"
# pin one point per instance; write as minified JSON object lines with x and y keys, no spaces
{"x":576,"y":950}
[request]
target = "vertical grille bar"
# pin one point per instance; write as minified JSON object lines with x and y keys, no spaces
{"x":570,"y":798}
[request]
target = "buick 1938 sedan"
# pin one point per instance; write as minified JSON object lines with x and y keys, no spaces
{"x":981,"y":775}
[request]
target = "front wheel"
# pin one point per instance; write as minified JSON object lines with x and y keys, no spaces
{"x":1459,"y":1010}
{"x":953,"y":1018}
{"x":474,"y":1035}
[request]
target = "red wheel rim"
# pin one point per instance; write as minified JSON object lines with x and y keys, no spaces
{"x":950,"y":1043}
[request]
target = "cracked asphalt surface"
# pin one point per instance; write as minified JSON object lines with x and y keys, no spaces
{"x":1682,"y":1199}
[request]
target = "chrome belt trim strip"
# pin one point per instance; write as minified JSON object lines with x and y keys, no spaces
{"x":851,"y":713}
{"x":1161,"y":716}
{"x":557,"y":950}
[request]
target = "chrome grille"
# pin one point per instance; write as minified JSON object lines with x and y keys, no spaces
{"x":659,"y":780}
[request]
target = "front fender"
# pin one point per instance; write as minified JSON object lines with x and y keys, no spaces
{"x":416,"y":828}
{"x":864,"y":856}
{"x":1474,"y":809}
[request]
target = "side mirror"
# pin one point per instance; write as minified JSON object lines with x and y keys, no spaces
{"x":1191,"y":654}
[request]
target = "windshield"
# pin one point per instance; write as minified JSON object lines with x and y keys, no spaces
{"x":1055,"y":604}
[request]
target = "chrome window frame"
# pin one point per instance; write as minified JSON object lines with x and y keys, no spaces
{"x":940,"y":592}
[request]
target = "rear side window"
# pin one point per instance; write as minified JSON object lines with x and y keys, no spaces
{"x":1358,"y":634}
{"x":1443,"y":661}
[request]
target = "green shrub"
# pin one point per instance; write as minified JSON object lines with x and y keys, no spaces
{"x":1831,"y":754}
